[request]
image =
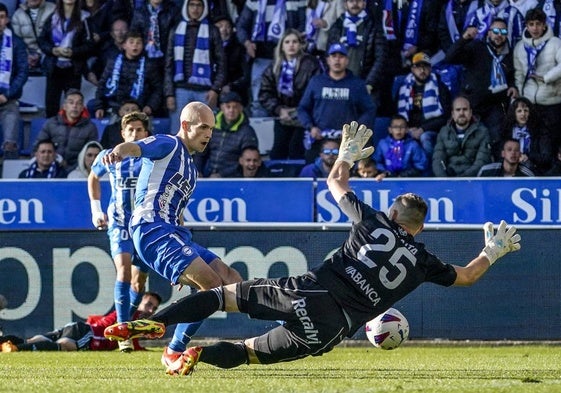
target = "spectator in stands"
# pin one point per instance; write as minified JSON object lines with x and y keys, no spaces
{"x":237,"y":64}
{"x":491,"y":9}
{"x":332,"y":99}
{"x":99,"y":20}
{"x":322,"y":165}
{"x":195,"y":65}
{"x":66,"y":46}
{"x":510,"y":165}
{"x":455,"y":17}
{"x":27,"y":22}
{"x":366,"y":168}
{"x":70,"y":129}
{"x":231,"y":134}
{"x":87,"y":335}
{"x":488,"y":79}
{"x":13,"y":75}
{"x":424,"y":101}
{"x":556,"y":167}
{"x":251,"y":164}
{"x":320,"y":16}
{"x":44,"y":164}
{"x":155,"y":19}
{"x":282,"y":86}
{"x":259,"y":28}
{"x":398,"y":154}
{"x":85,"y":160}
{"x":112,"y":133}
{"x":108,"y":50}
{"x":552,"y":9}
{"x":131,"y":75}
{"x":462,"y":145}
{"x":537,"y":64}
{"x":523,"y":124}
{"x":366,"y":45}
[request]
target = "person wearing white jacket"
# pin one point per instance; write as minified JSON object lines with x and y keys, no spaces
{"x":537,"y":64}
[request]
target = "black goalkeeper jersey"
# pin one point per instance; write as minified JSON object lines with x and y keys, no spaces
{"x":378,"y":264}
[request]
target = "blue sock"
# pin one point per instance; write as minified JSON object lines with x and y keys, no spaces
{"x":182,"y":335}
{"x":135,"y":299}
{"x":122,"y":300}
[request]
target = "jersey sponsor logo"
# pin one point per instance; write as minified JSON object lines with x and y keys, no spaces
{"x":188,"y":251}
{"x":362,"y":283}
{"x":310,"y":330}
{"x":127,"y":182}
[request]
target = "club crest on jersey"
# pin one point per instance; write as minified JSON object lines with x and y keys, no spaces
{"x":187,"y":251}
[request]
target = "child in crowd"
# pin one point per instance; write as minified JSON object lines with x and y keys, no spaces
{"x":398,"y":154}
{"x":112,"y":133}
{"x":131,"y":75}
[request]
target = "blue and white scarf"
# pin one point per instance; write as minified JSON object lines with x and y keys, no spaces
{"x":6,"y":58}
{"x":113,"y":82}
{"x":551,"y":13}
{"x":62,"y":37}
{"x":413,"y":23}
{"x":431,"y":103}
{"x":498,"y":77}
{"x":532,"y":53}
{"x":33,"y":167}
{"x":350,"y":28}
{"x":387,"y":21}
{"x":484,"y":17}
{"x":200,"y":70}
{"x":523,"y":136}
{"x":286,"y":77}
{"x":277,"y":25}
{"x":451,"y":22}
{"x":153,"y":44}
{"x":311,"y":14}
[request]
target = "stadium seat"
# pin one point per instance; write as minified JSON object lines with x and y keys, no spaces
{"x":264,"y":128}
{"x":161,"y":125}
{"x":285,"y":168}
{"x":34,"y":128}
{"x":380,"y":129}
{"x":100,"y":124}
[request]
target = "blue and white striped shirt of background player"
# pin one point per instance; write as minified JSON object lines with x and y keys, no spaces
{"x":166,"y":181}
{"x":123,"y":177}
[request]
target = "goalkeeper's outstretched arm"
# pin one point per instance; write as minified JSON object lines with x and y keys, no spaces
{"x":338,"y":180}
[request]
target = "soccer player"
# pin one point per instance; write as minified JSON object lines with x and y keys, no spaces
{"x":379,"y":264}
{"x":167,"y":180}
{"x":123,"y":177}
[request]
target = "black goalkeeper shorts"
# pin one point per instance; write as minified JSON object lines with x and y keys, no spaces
{"x":78,"y":331}
{"x":314,"y":322}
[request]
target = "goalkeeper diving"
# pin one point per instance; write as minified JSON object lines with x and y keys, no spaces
{"x":378,"y":264}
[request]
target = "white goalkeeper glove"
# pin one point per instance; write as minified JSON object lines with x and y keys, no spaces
{"x":354,"y":139}
{"x":99,"y":220}
{"x":501,"y":243}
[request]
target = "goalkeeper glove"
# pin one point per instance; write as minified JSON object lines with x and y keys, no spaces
{"x":354,"y":138}
{"x":501,"y":243}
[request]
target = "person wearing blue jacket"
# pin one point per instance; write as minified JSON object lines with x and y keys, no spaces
{"x":398,"y":154}
{"x":332,"y":99}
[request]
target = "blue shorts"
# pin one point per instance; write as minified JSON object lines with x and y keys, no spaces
{"x":168,"y":249}
{"x":121,"y":242}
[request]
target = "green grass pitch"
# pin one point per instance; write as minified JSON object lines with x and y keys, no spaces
{"x":410,"y":368}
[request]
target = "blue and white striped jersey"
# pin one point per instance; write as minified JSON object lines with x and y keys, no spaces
{"x":123,"y":177}
{"x":167,"y":180}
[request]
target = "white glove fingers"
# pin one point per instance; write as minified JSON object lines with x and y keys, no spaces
{"x":502,"y":227}
{"x":354,"y":128}
{"x":515,"y":247}
{"x":516,"y":238}
{"x":510,"y":232}
{"x":488,"y":231}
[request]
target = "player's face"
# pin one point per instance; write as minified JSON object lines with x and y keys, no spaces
{"x":134,"y":131}
{"x":148,"y":306}
{"x":199,"y":131}
{"x":522,"y":113}
{"x":250,"y":162}
{"x":511,"y":152}
{"x":133,"y":47}
{"x":535,"y":28}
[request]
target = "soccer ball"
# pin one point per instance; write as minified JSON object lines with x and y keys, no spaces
{"x":388,"y":330}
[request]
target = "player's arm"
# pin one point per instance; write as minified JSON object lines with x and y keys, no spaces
{"x":352,"y":149}
{"x":99,"y":219}
{"x":122,"y":150}
{"x":497,"y":245}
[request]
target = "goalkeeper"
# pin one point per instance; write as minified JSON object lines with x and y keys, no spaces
{"x":378,"y":264}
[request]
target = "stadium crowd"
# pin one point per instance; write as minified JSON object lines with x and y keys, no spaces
{"x":456,"y":80}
